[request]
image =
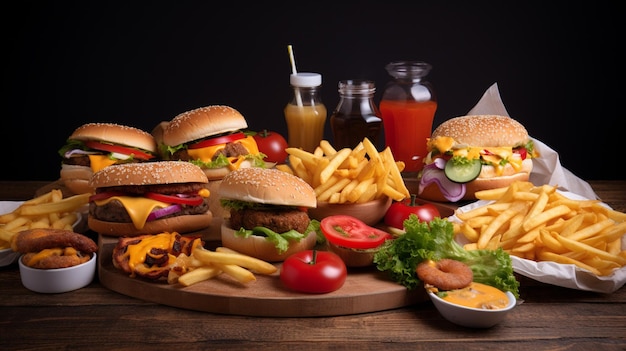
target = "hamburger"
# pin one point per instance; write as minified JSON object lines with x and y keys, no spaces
{"x":147,"y":198}
{"x":210,"y":137}
{"x":467,"y":154}
{"x":94,"y":146}
{"x":268,"y":216}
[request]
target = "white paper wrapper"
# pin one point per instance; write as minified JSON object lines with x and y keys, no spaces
{"x":547,"y":169}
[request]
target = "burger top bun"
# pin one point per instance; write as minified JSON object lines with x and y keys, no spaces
{"x":115,"y":133}
{"x":483,"y":130}
{"x":267,"y":186}
{"x":148,"y":173}
{"x":200,"y":123}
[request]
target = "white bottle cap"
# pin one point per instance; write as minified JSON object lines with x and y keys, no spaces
{"x":305,"y":79}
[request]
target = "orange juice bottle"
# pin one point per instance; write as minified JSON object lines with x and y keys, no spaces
{"x":408,"y":108}
{"x":305,"y":113}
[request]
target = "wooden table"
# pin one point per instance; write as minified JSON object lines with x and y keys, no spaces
{"x":95,"y":318}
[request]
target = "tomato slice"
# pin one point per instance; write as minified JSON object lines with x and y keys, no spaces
{"x":182,"y":199}
{"x":218,"y":140}
{"x":118,"y":149}
{"x":351,"y":232}
{"x":105,"y":195}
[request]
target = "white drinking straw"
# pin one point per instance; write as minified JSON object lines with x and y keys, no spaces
{"x":294,"y":71}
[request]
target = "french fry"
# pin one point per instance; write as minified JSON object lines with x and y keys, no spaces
{"x":229,"y":258}
{"x":68,"y":204}
{"x":198,"y":274}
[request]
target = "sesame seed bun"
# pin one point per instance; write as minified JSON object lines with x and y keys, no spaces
{"x":115,"y":133}
{"x":201,"y":123}
{"x":148,"y":173}
{"x":483,"y":130}
{"x":267,"y":186}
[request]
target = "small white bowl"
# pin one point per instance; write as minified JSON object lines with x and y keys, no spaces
{"x":371,"y":212}
{"x":58,"y":280}
{"x":472,"y":317}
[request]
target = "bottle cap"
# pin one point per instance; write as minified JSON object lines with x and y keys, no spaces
{"x":305,"y":79}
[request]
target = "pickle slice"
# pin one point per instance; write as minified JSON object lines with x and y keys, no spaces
{"x":462,"y":172}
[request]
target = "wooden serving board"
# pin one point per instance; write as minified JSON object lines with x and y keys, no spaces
{"x":365,"y":290}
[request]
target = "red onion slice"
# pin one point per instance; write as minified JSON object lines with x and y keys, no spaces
{"x":452,"y":191}
{"x":161,"y":212}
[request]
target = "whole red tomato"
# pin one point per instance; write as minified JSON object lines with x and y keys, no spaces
{"x":273,"y":145}
{"x":313,"y":271}
{"x":399,"y":211}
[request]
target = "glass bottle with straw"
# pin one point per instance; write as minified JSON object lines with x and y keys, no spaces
{"x":305,"y":113}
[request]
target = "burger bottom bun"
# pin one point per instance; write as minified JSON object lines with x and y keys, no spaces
{"x":433,"y":193}
{"x":259,"y":247}
{"x":76,"y":178}
{"x":179,"y":224}
{"x":354,"y":257}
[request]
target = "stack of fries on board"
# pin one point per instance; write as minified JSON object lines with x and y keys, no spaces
{"x":348,"y":175}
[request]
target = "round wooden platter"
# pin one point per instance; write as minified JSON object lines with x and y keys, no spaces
{"x":365,"y":290}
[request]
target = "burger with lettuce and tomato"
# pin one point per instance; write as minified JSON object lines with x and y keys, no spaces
{"x":210,"y":137}
{"x":472,"y":153}
{"x":94,"y":146}
{"x":148,"y":198}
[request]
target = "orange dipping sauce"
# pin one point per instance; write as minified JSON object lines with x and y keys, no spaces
{"x":478,"y":295}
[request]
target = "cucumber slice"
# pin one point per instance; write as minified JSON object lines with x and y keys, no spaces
{"x":462,"y":172}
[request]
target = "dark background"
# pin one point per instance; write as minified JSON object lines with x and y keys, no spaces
{"x":139,"y":63}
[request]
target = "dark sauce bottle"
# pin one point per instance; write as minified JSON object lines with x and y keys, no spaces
{"x":356,"y":115}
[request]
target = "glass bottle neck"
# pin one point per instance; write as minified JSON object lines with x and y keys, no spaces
{"x":307,"y":96}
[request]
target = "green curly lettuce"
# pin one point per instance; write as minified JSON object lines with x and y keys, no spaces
{"x":434,"y":241}
{"x":281,"y":240}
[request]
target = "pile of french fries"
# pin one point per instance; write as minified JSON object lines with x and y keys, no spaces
{"x":205,"y":264}
{"x":348,"y":175}
{"x":49,"y":210}
{"x":538,"y":223}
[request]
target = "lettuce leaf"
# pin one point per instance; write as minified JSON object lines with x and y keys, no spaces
{"x":281,"y":240}
{"x":434,"y":241}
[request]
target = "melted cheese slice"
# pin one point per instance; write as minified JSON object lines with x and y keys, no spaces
{"x":491,"y":155}
{"x":138,"y":208}
{"x":137,"y":253}
{"x":98,"y":162}
{"x":478,"y":295}
{"x":206,"y":154}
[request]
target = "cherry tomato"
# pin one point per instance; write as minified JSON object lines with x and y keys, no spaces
{"x":347,"y":231}
{"x":187,"y":199}
{"x":223,"y":139}
{"x":273,"y":145}
{"x":313,"y":271}
{"x":399,"y":211}
{"x":118,"y":149}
